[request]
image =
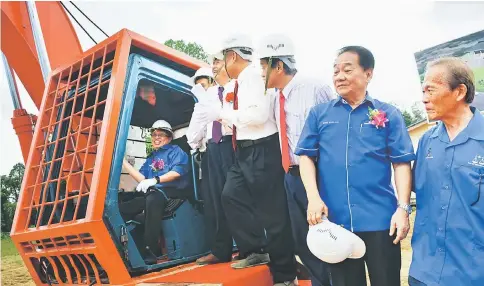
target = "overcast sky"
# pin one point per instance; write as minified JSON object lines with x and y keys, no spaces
{"x":393,"y":31}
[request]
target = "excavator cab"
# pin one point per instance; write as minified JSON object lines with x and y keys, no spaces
{"x":67,"y":226}
{"x":182,"y":220}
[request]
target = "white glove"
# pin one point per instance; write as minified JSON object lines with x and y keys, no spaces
{"x":144,"y":185}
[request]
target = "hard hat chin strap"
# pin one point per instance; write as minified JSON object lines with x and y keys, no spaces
{"x":225,"y":64}
{"x":268,"y":72}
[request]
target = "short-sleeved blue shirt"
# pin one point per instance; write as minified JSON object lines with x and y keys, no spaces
{"x":168,"y":158}
{"x":448,"y":238}
{"x":354,"y":161}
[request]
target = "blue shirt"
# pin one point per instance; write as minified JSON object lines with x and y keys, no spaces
{"x":448,"y":238}
{"x":354,"y":161}
{"x":169,"y":158}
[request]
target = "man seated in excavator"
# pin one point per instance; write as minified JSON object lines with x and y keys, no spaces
{"x":163,"y":176}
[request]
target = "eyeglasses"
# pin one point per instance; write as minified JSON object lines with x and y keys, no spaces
{"x":158,"y":135}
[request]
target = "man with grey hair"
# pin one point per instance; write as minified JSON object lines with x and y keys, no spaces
{"x":448,"y":240}
{"x":256,"y":180}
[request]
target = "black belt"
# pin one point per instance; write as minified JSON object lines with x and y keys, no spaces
{"x":248,"y":143}
{"x":294,"y":170}
{"x":224,"y":139}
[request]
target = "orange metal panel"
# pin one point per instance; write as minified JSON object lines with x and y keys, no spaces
{"x":218,"y":273}
{"x":61,"y":41}
{"x":166,"y":52}
{"x":109,"y":256}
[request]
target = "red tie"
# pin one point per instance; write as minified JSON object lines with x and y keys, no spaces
{"x":236,"y":106}
{"x":286,"y":161}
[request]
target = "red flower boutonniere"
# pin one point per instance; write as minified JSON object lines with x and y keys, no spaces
{"x":157,"y":165}
{"x":377,"y":117}
{"x":230,"y":97}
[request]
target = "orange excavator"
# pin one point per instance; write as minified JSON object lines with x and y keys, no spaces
{"x":67,"y":226}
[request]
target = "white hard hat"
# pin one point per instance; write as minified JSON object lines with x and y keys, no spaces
{"x":239,"y":43}
{"x":332,"y":243}
{"x":202,"y":72}
{"x":278,"y":46}
{"x":162,"y":125}
{"x":212,"y":57}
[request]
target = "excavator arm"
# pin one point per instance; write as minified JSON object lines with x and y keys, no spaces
{"x":18,"y":45}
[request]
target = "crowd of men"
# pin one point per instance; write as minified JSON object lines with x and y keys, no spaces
{"x":282,"y":152}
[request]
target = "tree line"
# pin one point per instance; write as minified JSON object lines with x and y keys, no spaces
{"x":10,"y":191}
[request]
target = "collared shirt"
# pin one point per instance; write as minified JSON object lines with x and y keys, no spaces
{"x":254,"y":118}
{"x":301,"y":95}
{"x":165,"y":159}
{"x":354,"y":161}
{"x":448,"y":238}
{"x":199,"y":133}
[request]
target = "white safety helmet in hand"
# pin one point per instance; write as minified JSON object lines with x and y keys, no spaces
{"x":332,"y":243}
{"x":278,"y":46}
{"x":203,"y":72}
{"x":162,"y":125}
{"x":239,"y":43}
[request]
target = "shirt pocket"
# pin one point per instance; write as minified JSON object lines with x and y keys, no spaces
{"x":470,"y":180}
{"x":294,"y":123}
{"x":373,"y":138}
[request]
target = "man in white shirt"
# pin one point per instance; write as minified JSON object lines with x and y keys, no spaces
{"x":219,"y":158}
{"x":202,"y":81}
{"x":296,"y":95}
{"x":257,"y":178}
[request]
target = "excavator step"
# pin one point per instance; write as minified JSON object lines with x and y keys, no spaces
{"x":213,"y":275}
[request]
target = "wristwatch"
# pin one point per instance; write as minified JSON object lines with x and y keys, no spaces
{"x":157,"y":180}
{"x":406,"y":207}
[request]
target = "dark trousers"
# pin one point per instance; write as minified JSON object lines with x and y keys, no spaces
{"x":219,"y":158}
{"x":297,"y":202}
{"x":204,"y":183}
{"x":382,"y":257}
{"x":153,"y":204}
{"x":414,"y":282}
{"x":257,"y":180}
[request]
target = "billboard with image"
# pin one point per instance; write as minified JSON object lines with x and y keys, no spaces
{"x":470,"y":48}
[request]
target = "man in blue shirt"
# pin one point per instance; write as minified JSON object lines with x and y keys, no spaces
{"x":355,"y":140}
{"x":166,"y":168}
{"x":448,"y":240}
{"x":295,"y":97}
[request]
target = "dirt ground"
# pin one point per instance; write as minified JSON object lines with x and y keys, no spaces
{"x":14,"y":272}
{"x":407,"y":253}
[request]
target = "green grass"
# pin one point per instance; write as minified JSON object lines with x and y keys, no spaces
{"x":479,"y":75}
{"x":13,"y":269}
{"x":8,"y":248}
